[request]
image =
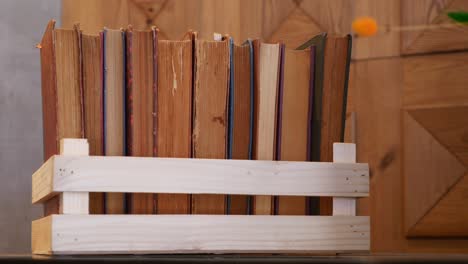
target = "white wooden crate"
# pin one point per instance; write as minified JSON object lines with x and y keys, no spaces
{"x":74,"y":174}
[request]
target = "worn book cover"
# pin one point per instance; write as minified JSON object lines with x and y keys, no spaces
{"x":267,"y":65}
{"x":140,"y":113}
{"x":93,"y":105}
{"x":241,"y":115}
{"x":114,"y":106}
{"x":62,"y":92}
{"x":210,"y":129}
{"x":294,"y":119}
{"x":174,"y":112}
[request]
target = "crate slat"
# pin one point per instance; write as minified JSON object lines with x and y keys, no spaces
{"x":141,"y":234}
{"x":199,"y":176}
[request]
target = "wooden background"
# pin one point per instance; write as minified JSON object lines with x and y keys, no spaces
{"x":408,"y":92}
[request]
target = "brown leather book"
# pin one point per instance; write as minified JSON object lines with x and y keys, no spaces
{"x":294,"y":121}
{"x":241,"y":116}
{"x":267,"y":71}
{"x":62,"y":103}
{"x":174,"y":113}
{"x":140,"y":103}
{"x":114,"y":106}
{"x":93,"y":106}
{"x":334,"y":96}
{"x":210,"y":114}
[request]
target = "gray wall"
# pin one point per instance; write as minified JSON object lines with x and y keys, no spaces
{"x":22,"y":23}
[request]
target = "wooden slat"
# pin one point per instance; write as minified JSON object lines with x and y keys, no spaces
{"x":346,"y":153}
{"x":124,"y":234}
{"x":41,"y":236}
{"x":201,"y":176}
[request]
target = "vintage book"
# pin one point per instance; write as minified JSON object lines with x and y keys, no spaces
{"x":210,"y":114}
{"x":174,"y":113}
{"x":334,"y":96}
{"x":241,"y":115}
{"x":91,"y":51}
{"x":294,"y":119}
{"x":267,"y":71}
{"x":114,"y":106}
{"x":140,"y":98}
{"x":62,"y":94}
{"x":318,"y":42}
{"x":333,"y":54}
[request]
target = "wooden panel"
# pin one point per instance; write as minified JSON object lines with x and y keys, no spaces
{"x":429,"y":29}
{"x":424,"y":185}
{"x":296,"y":29}
{"x":374,"y":89}
{"x":124,"y":234}
{"x":94,"y":15}
{"x":448,"y":125}
{"x":336,"y":17}
{"x":448,"y":217}
{"x":435,"y":80}
{"x":208,"y":176}
{"x":346,"y":153}
{"x":385,"y":43}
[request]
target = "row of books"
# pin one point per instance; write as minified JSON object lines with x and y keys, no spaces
{"x":130,"y":93}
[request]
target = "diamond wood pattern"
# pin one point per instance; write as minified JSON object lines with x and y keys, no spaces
{"x":440,"y":35}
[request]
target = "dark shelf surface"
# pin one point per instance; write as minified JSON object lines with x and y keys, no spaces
{"x":394,"y":258}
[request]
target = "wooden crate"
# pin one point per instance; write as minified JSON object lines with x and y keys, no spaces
{"x":73,"y":174}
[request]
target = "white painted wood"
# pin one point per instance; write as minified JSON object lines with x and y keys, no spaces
{"x":74,"y":202}
{"x":209,"y":176}
{"x":344,"y":153}
{"x":74,"y":147}
{"x":134,"y":234}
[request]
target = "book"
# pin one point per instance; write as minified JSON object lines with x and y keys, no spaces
{"x":241,"y":116}
{"x":333,"y":55}
{"x":62,"y":104}
{"x":294,"y":119}
{"x":210,"y":114}
{"x":267,"y":69}
{"x":139,"y":103}
{"x":318,"y":42}
{"x":174,"y":113}
{"x":113,"y":43}
{"x":335,"y":86}
{"x":91,"y":50}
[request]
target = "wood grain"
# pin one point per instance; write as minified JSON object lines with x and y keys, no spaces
{"x":41,"y":236}
{"x":378,"y":142}
{"x":433,"y":38}
{"x":94,"y":15}
{"x":296,"y":29}
{"x":424,"y":185}
{"x":425,"y":75}
{"x":448,"y":217}
{"x":135,"y":234}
